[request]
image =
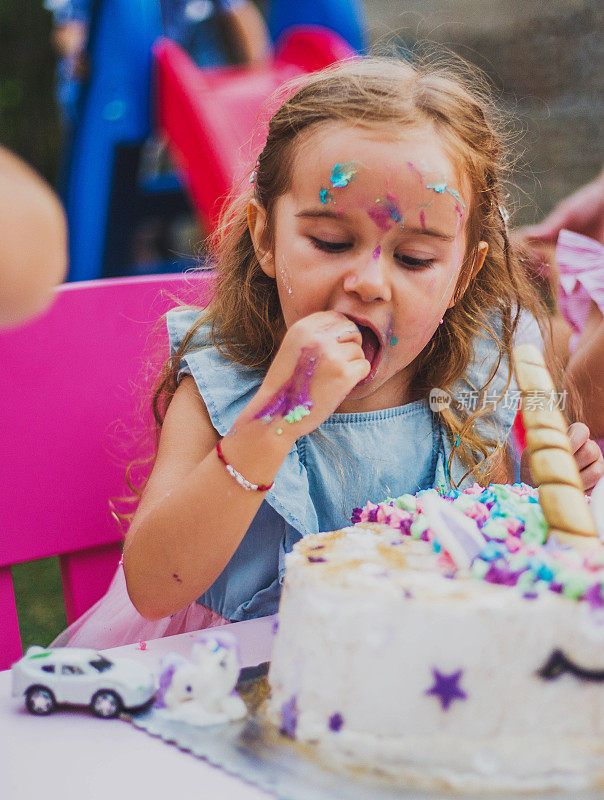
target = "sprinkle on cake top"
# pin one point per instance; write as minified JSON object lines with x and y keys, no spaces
{"x":515,"y":553}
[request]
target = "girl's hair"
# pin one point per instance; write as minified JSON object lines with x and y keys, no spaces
{"x":245,"y":314}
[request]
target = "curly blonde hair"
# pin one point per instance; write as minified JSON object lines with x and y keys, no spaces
{"x":245,"y":313}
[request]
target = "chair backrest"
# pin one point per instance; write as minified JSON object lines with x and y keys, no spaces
{"x":211,"y":116}
{"x":74,"y":383}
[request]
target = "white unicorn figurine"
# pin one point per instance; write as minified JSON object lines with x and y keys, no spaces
{"x":201,"y":690}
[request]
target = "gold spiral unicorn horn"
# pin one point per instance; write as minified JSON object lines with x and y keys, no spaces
{"x":553,"y":466}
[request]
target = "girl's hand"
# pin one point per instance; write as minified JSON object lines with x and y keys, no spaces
{"x":587,"y":455}
{"x":318,"y":364}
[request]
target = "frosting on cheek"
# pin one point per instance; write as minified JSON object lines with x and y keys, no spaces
{"x":390,"y":337}
{"x":285,"y":277}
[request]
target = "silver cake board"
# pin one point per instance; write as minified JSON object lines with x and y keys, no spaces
{"x":254,"y":750}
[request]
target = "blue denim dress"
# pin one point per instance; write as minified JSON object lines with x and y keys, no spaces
{"x":348,"y":460}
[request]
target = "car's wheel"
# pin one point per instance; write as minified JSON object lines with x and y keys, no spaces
{"x":106,"y":704}
{"x":40,"y":700}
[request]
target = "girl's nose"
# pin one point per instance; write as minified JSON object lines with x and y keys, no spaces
{"x":369,"y":278}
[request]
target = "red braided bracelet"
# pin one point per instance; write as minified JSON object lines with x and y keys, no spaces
{"x":251,"y":487}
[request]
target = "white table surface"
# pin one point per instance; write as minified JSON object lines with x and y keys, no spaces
{"x":72,"y":754}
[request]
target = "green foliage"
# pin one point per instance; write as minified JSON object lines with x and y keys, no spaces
{"x":29,"y":124}
{"x":39,"y":596}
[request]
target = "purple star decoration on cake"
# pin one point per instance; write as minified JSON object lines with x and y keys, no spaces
{"x":335,"y":722}
{"x":446,"y":688}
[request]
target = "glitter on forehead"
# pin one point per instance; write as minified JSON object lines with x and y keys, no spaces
{"x":454,"y":193}
{"x":325,"y":196}
{"x":376,"y":252}
{"x":385,"y":212}
{"x":414,"y":169}
{"x":342,"y":174}
{"x":441,"y":188}
{"x":422,"y":220}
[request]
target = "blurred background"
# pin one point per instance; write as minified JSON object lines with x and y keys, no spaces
{"x":543,"y":60}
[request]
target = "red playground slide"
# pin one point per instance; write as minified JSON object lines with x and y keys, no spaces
{"x":213,"y":118}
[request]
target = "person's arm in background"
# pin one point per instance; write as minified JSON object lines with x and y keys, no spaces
{"x":250,"y":32}
{"x":71,"y":19}
{"x":33,"y":240}
{"x":581,"y":212}
{"x":585,"y":371}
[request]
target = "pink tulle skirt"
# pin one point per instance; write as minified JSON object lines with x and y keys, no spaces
{"x":114,"y":621}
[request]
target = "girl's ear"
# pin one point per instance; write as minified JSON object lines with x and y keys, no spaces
{"x":481,"y":253}
{"x":256,"y":222}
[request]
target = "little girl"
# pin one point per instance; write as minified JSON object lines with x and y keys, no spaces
{"x":366,"y":270}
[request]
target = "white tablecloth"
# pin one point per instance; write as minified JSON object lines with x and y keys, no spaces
{"x":73,"y":755}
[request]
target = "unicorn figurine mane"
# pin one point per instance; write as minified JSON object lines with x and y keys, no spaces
{"x":201,"y":690}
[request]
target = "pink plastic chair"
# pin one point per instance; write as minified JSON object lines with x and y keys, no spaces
{"x":210,"y":116}
{"x":71,"y":397}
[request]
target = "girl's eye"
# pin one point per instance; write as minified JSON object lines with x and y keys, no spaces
{"x":330,"y":247}
{"x":415,"y":263}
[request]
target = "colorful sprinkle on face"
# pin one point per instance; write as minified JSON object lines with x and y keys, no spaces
{"x":342,"y":174}
{"x":376,"y":253}
{"x":390,"y":337}
{"x":454,"y":193}
{"x":441,"y":188}
{"x":385,"y":212}
{"x":415,"y":170}
{"x":325,"y":196}
{"x":422,"y":220}
{"x":446,"y":688}
{"x":285,"y":277}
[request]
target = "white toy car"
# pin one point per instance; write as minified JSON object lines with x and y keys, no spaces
{"x":80,"y":677}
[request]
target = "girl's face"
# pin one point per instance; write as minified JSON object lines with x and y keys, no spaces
{"x":373,"y":226}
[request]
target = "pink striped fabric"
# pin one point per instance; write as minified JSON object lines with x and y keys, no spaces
{"x":581,"y":262}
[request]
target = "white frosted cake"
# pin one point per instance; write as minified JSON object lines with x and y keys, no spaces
{"x":445,"y":640}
